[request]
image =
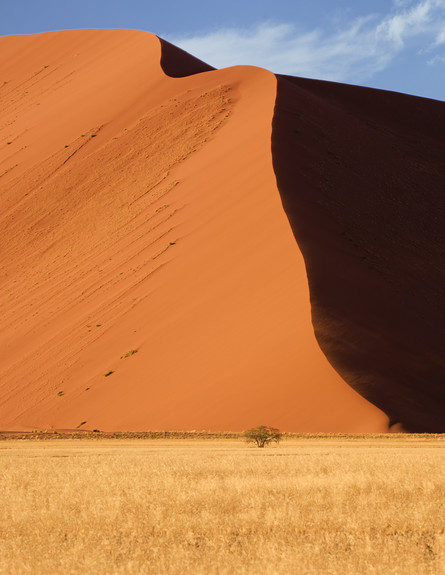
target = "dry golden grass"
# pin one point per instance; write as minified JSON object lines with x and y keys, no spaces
{"x":310,"y":506}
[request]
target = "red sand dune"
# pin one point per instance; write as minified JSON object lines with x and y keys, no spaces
{"x":140,"y":211}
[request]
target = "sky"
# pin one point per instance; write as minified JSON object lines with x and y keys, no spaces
{"x":394,"y":45}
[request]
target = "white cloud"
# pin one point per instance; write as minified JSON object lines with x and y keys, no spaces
{"x":441,"y":37}
{"x":399,"y":27}
{"x":436,"y":60}
{"x":355,"y":52}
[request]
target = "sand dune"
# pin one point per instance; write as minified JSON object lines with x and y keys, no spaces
{"x":150,"y":278}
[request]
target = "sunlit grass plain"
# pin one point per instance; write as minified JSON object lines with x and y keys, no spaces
{"x":333,"y":505}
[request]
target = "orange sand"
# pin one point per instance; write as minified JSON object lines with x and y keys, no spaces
{"x":140,"y":211}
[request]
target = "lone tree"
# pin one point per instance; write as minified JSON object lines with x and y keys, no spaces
{"x":262,"y":435}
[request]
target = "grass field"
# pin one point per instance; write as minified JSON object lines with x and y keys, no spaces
{"x":332,"y":505}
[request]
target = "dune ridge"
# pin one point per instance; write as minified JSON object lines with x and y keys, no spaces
{"x":149,"y":275}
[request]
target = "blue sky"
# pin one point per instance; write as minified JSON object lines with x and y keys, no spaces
{"x":390,"y":44}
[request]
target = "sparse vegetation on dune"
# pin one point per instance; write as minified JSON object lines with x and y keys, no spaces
{"x":129,"y":353}
{"x":336,"y":505}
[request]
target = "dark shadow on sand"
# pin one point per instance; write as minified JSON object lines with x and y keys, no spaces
{"x":177,"y":63}
{"x":361,"y":174}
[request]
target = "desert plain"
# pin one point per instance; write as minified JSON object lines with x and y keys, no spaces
{"x":363,"y":504}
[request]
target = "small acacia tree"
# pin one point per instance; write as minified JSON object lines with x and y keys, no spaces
{"x":262,"y":435}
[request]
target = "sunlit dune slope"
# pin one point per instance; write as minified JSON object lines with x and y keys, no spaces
{"x":362,"y":177}
{"x":149,"y":275}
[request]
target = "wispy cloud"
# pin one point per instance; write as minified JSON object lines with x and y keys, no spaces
{"x":355,"y":51}
{"x":441,"y":36}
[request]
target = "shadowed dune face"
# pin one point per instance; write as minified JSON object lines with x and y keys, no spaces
{"x":361,"y":174}
{"x":178,"y":64}
{"x":149,"y":275}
